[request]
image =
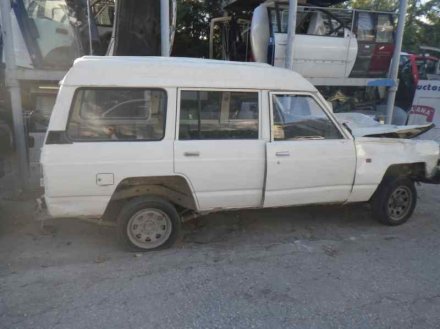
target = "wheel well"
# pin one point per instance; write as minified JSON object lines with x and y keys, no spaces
{"x":174,"y":189}
{"x":415,"y":171}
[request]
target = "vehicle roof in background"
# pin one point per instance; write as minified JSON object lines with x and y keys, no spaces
{"x":419,"y":56}
{"x":242,"y":5}
{"x":120,"y":71}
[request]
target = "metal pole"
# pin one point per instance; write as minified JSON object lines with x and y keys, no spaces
{"x":293,"y":7}
{"x":165,"y":27}
{"x":15,"y":93}
{"x":89,"y":21}
{"x":394,"y":69}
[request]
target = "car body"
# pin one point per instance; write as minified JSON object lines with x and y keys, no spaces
{"x":51,"y":34}
{"x":329,"y":42}
{"x":45,"y":33}
{"x":205,"y":136}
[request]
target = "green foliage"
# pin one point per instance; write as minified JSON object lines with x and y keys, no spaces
{"x":423,"y":24}
{"x":385,"y":5}
{"x":192,"y":30}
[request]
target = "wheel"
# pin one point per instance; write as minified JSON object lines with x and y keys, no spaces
{"x":394,"y":201}
{"x":148,"y":223}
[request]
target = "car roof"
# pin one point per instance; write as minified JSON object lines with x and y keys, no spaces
{"x":120,"y":71}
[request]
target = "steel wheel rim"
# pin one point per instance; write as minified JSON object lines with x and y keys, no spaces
{"x":149,"y":228}
{"x":399,"y":203}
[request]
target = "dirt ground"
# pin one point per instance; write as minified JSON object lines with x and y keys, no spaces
{"x":309,"y":267}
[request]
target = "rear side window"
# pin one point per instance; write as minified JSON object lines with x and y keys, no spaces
{"x":101,"y":114}
{"x":218,"y":115}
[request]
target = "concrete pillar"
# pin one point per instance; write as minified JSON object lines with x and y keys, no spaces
{"x":15,"y":93}
{"x":165,"y":27}
{"x":293,"y":7}
{"x":394,"y":69}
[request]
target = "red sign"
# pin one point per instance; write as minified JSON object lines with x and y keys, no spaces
{"x":426,"y":111}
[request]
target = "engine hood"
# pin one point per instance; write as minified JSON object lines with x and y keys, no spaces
{"x":362,"y":125}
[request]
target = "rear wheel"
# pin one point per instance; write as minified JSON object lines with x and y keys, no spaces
{"x":394,"y":201}
{"x":148,"y":223}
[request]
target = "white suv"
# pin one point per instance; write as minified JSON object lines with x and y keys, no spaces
{"x":151,"y":141}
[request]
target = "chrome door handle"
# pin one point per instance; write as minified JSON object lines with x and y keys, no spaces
{"x":191,"y":154}
{"x":283,"y":154}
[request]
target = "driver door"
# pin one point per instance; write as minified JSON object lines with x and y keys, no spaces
{"x":309,"y":158}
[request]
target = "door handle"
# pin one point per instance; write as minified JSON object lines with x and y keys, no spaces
{"x":282,"y":154}
{"x":191,"y":154}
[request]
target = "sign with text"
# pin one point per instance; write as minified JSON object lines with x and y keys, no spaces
{"x":426,"y":105}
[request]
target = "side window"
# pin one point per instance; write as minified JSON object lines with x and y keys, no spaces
{"x":310,"y":22}
{"x":323,"y":24}
{"x":300,"y":117}
{"x":101,"y":114}
{"x":385,"y":28}
{"x":279,"y":18}
{"x":365,"y":27}
{"x":218,"y":115}
{"x":104,"y":14}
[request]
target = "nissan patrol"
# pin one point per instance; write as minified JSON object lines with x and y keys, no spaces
{"x":148,"y":142}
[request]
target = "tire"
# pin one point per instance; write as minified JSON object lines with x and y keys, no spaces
{"x":394,"y":201}
{"x":148,"y":223}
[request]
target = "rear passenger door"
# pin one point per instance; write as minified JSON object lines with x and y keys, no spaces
{"x":309,"y":160}
{"x":218,"y":147}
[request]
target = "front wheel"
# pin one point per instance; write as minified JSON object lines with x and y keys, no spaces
{"x":394,"y":201}
{"x":148,"y":223}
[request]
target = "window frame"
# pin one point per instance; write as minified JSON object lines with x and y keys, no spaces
{"x":72,"y":105}
{"x":376,"y":25}
{"x":304,"y":10}
{"x":179,"y":97}
{"x":318,"y":102}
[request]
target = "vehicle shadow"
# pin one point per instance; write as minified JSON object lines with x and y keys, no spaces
{"x":65,"y":241}
{"x":280,"y":224}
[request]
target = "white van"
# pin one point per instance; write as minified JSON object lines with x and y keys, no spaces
{"x":150,"y":141}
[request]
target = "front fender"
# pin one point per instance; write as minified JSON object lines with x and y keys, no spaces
{"x":376,"y":155}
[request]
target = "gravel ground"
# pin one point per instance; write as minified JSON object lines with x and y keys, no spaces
{"x":311,"y":267}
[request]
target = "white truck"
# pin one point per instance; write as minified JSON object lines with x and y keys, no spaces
{"x":149,"y":142}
